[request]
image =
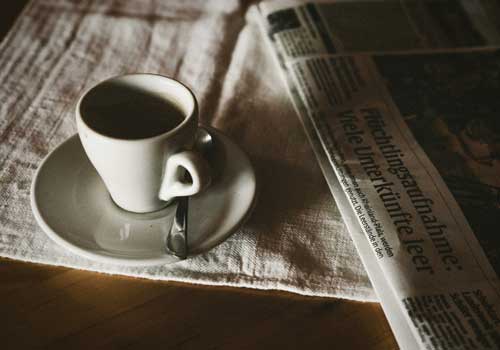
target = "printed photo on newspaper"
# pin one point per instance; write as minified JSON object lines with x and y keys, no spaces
{"x":402,"y":112}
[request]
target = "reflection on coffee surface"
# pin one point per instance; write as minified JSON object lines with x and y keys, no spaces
{"x":122,"y":111}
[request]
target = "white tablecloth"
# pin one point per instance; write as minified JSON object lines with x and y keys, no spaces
{"x":295,"y":239}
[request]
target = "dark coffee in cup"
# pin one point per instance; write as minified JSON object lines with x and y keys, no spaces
{"x":124,"y":111}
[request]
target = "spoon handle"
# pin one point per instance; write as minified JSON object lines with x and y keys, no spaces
{"x":177,"y":237}
{"x":177,"y":240}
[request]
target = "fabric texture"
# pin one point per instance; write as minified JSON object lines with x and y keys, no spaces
{"x":295,"y":239}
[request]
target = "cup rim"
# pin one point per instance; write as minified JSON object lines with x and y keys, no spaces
{"x":191,"y":115}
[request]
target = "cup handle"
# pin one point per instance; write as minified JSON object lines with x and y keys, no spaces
{"x":175,"y":183}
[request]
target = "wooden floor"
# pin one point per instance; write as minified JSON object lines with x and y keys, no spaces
{"x":44,"y":307}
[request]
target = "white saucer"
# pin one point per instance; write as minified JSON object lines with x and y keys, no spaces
{"x":73,"y":207}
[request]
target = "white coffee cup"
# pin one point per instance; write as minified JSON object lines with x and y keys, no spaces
{"x":142,"y":172}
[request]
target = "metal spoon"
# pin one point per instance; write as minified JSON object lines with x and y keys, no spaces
{"x":177,"y":238}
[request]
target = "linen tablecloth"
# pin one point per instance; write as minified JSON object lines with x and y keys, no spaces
{"x":294,"y":241}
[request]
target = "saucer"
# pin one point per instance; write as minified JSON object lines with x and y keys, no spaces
{"x":72,"y":206}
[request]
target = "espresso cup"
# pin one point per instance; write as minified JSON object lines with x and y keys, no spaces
{"x":138,"y":131}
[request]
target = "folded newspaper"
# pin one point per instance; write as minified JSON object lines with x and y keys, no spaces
{"x":401,"y":103}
